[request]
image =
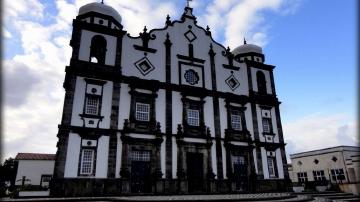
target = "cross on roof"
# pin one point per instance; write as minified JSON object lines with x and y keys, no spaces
{"x":188,"y":3}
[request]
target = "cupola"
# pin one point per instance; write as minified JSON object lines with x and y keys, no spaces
{"x":100,"y":8}
{"x":249,"y":52}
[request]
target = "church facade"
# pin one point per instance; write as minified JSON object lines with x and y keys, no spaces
{"x":169,"y":111}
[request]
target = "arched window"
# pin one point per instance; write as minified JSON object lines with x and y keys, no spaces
{"x":98,"y":49}
{"x":261,"y":82}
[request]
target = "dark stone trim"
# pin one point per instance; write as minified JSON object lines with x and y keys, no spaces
{"x":252,"y":54}
{"x":114,"y":123}
{"x":259,"y":65}
{"x":216,"y":109}
{"x":95,"y":81}
{"x":193,"y":131}
{"x":81,"y":25}
{"x":135,"y":125}
{"x":60,"y":158}
{"x":191,"y":59}
{"x":145,"y":49}
{"x":168,"y":108}
{"x":135,"y":82}
{"x":231,"y":67}
{"x":99,"y":15}
{"x":75,"y":42}
{"x":91,"y":116}
{"x":119,"y":50}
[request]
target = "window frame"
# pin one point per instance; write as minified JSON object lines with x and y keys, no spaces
{"x":268,"y":121}
{"x":198,"y":105}
{"x":236,"y":123}
{"x":302,"y":177}
{"x":93,"y":164}
{"x":336,"y":174}
{"x":235,"y":111}
{"x":319,"y":175}
{"x":273,"y":168}
{"x":196,"y":117}
{"x":138,"y":112}
{"x":98,"y":103}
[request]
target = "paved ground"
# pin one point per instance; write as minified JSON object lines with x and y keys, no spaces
{"x":260,"y":197}
{"x":226,"y":197}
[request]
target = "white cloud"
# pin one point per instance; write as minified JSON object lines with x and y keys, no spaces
{"x":318,"y":131}
{"x":23,"y":8}
{"x":243,"y":18}
{"x":6,"y":33}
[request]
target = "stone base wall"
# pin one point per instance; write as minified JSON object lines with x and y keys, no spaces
{"x":115,"y":187}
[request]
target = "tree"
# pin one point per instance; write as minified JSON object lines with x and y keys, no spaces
{"x":7,"y":175}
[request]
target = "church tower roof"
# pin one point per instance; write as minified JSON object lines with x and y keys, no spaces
{"x":100,"y":8}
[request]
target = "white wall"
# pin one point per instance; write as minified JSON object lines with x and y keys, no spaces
{"x":102,"y":157}
{"x":160,"y":109}
{"x":279,"y":164}
{"x":72,"y":155}
{"x":214,"y":158}
{"x":177,"y":111}
{"x":264,"y":163}
{"x":118,"y":155}
{"x":33,"y":169}
{"x":209,"y":115}
{"x":174,"y":158}
{"x":124,"y":105}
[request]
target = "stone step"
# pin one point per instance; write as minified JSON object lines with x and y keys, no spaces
{"x":316,"y":192}
{"x":350,"y":199}
{"x":342,"y":197}
{"x":332,"y":194}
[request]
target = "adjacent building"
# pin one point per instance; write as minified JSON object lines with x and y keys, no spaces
{"x":335,"y":165}
{"x":168,"y":111}
{"x":34,"y":169}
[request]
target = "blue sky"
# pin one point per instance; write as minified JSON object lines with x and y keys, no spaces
{"x":311,"y":43}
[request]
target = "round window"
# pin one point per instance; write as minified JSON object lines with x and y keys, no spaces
{"x":191,"y":77}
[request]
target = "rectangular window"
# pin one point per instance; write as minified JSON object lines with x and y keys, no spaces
{"x":235,"y":121}
{"x":140,"y":156}
{"x":87,"y":161}
{"x":142,"y":112}
{"x":45,"y":181}
{"x":337,"y":174}
{"x":271,"y":166}
{"x":266,"y":125}
{"x":319,"y":175}
{"x":193,"y":117}
{"x":302,"y":177}
{"x":92,"y":105}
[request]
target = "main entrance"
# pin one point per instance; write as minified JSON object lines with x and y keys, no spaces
{"x":195,"y":171}
{"x":140,"y":172}
{"x":240,"y":172}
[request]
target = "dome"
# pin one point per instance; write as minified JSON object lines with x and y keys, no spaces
{"x":100,"y":8}
{"x":247,"y":48}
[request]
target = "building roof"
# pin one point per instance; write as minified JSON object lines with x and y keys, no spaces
{"x":326,"y":150}
{"x":100,"y":8}
{"x":247,"y":48}
{"x":34,"y":156}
